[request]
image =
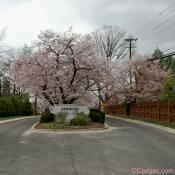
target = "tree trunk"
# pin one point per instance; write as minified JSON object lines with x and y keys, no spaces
{"x":99,"y":103}
{"x":35,"y":105}
{"x":0,"y":88}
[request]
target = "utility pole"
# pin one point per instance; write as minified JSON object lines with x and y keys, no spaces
{"x":130,"y":40}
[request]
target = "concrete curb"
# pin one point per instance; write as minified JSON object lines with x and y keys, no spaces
{"x":14,"y":120}
{"x":70,"y":131}
{"x":170,"y":130}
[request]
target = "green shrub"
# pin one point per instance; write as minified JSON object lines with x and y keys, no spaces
{"x":27,"y":108}
{"x":168,"y":90}
{"x":3,"y":107}
{"x":61,"y":117}
{"x":11,"y":105}
{"x":80,"y":120}
{"x":97,"y":116}
{"x":47,"y":117}
{"x":18,"y":103}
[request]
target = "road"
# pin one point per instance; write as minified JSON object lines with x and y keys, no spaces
{"x":113,"y":152}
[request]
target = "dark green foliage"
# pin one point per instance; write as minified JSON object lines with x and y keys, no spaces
{"x":7,"y":107}
{"x":80,"y":120}
{"x":167,"y":63}
{"x":97,"y":116}
{"x":157,"y":53}
{"x":6,"y":87}
{"x":47,"y":117}
{"x":27,"y":108}
{"x":18,"y":103}
{"x":168,"y":91}
{"x":10,"y":106}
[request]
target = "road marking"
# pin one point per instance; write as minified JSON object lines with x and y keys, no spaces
{"x":27,"y":133}
{"x":23,"y":142}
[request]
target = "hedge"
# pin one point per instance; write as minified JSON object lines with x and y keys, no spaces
{"x":10,"y":106}
{"x":81,"y":119}
{"x":47,"y":117}
{"x":97,"y":116}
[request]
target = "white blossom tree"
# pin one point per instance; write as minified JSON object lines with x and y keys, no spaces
{"x":110,"y":45}
{"x":146,"y":79}
{"x":106,"y":87}
{"x":61,"y":69}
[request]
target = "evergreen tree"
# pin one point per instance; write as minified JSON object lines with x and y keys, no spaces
{"x":168,"y":92}
{"x":167,"y":63}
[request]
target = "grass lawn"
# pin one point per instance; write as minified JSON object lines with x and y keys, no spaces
{"x":11,"y":117}
{"x":161,"y":123}
{"x":54,"y":125}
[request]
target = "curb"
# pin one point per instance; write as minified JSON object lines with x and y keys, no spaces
{"x":170,"y":130}
{"x":69,"y":131}
{"x":15,"y":120}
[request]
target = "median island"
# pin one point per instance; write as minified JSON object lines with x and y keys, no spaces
{"x":71,"y":118}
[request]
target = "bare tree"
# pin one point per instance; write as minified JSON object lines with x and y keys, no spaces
{"x":110,"y":42}
{"x":3,"y":64}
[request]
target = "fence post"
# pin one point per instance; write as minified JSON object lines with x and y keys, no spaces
{"x":138,"y":110}
{"x":143,"y":110}
{"x":158,"y":106}
{"x":150,"y":115}
{"x":169,"y":111}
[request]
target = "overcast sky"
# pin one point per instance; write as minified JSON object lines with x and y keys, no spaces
{"x":24,"y":19}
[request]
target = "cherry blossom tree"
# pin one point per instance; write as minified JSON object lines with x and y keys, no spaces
{"x":106,"y":87}
{"x":145,"y":83}
{"x":110,"y":45}
{"x":61,"y":68}
{"x":68,"y":68}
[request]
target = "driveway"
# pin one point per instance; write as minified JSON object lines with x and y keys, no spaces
{"x":114,"y":152}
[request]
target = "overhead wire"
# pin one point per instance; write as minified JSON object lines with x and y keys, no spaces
{"x":163,"y":56}
{"x":154,"y":29}
{"x":152,"y":26}
{"x":153,"y":21}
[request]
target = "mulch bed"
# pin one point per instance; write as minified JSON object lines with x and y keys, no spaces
{"x":92,"y":125}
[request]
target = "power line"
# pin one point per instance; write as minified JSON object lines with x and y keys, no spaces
{"x":157,"y":26}
{"x":163,"y":56}
{"x":165,"y":30}
{"x":157,"y":22}
{"x":123,"y":48}
{"x":149,"y":24}
{"x":168,"y":49}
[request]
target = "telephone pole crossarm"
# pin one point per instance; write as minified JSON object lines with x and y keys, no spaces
{"x":130,"y":40}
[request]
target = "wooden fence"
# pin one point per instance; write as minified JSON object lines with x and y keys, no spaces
{"x":161,"y":111}
{"x":119,"y":110}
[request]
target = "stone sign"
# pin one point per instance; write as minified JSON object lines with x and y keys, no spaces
{"x":71,"y":109}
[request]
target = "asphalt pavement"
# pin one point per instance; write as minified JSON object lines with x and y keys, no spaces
{"x":112,"y":152}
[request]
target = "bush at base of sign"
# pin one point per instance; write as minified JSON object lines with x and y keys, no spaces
{"x":61,"y":117}
{"x":47,"y":117}
{"x":81,"y":119}
{"x":97,"y":116}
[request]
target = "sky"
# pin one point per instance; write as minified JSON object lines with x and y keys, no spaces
{"x":24,"y":19}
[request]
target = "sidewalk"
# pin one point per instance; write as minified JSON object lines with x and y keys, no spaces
{"x":15,"y":119}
